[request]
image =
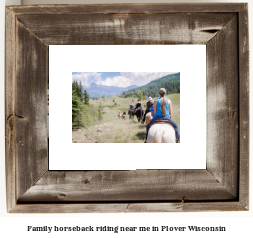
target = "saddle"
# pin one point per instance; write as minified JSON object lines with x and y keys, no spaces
{"x":161,"y":122}
{"x":138,"y":108}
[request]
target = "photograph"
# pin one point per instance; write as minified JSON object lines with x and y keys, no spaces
{"x":125,"y":107}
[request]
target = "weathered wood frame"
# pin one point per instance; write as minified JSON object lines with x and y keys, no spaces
{"x":223,"y":186}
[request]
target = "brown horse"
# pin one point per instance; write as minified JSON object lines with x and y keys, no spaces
{"x":138,"y":113}
{"x":148,"y":117}
{"x":131,"y":113}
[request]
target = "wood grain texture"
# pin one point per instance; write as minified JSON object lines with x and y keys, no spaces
{"x":133,"y":29}
{"x":129,"y":207}
{"x":244,"y":106}
{"x":9,"y":108}
{"x":155,"y":8}
{"x":222,"y":107}
{"x":186,"y":207}
{"x":139,"y":185}
{"x":30,"y":108}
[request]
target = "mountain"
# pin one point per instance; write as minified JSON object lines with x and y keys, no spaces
{"x":94,"y":90}
{"x":170,"y":82}
{"x":93,"y":85}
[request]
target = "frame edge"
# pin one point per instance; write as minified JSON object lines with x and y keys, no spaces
{"x":10,"y":70}
{"x":244,"y":105}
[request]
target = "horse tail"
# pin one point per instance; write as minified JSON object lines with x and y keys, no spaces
{"x":158,"y":136}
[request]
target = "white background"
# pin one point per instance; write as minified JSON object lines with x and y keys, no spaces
{"x":239,"y":224}
{"x":189,"y":60}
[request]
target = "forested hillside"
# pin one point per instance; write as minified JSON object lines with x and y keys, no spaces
{"x":170,"y":82}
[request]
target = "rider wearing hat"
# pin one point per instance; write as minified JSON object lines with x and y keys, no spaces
{"x":150,"y":104}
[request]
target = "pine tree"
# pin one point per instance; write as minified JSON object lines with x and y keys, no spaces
{"x":80,"y":90}
{"x":83,"y":114}
{"x":77,"y":88}
{"x":77,"y":112}
{"x":80,"y":112}
{"x":86,"y":98}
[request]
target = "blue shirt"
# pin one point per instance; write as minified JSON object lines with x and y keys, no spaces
{"x":153,"y":112}
{"x":158,"y":108}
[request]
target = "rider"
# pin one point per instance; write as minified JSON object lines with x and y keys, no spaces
{"x":150,"y":103}
{"x":138,"y":104}
{"x":162,"y":111}
{"x":131,"y":106}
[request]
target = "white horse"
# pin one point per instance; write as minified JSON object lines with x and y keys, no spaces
{"x":161,"y":133}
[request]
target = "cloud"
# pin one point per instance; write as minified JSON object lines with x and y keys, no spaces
{"x":119,"y":81}
{"x":124,"y":80}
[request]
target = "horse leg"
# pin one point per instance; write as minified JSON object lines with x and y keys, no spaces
{"x":138,"y":117}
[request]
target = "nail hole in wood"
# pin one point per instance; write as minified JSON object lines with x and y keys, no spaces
{"x":86,"y":181}
{"x":61,"y":195}
{"x":183,"y":199}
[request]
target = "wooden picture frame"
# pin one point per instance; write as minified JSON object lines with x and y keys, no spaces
{"x":222,"y":186}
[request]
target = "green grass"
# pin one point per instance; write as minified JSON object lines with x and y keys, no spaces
{"x":116,"y":130}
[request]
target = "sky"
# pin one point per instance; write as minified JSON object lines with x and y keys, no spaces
{"x":120,"y":79}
